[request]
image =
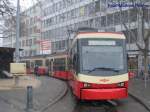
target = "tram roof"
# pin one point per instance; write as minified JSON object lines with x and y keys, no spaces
{"x":7,"y":49}
{"x":114,"y":35}
{"x":55,"y":54}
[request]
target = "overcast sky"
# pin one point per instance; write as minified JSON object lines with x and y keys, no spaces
{"x":24,"y":3}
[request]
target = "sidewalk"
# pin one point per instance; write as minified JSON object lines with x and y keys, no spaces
{"x":137,"y":89}
{"x":24,"y":81}
{"x":45,"y":91}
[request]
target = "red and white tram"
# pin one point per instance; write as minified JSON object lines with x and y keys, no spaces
{"x":98,"y":66}
{"x":58,"y":66}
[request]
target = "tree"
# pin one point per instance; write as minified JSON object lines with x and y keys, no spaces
{"x":143,"y":32}
{"x":6,"y":11}
{"x":6,"y":8}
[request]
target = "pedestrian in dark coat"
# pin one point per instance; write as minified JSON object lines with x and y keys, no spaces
{"x":36,"y":70}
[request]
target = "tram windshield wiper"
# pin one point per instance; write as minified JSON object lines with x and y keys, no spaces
{"x":104,"y":68}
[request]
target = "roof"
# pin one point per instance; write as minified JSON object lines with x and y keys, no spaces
{"x":45,"y":56}
{"x":7,"y":49}
{"x":10,"y":49}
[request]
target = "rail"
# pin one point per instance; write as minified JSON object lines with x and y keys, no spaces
{"x":56,"y":99}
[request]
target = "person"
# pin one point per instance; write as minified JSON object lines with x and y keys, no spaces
{"x":36,"y":70}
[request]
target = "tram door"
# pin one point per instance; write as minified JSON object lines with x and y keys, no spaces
{"x":51,"y":67}
{"x":32,"y":66}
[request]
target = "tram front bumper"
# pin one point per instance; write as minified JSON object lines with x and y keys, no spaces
{"x":104,"y":94}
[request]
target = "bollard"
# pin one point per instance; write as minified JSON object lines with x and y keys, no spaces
{"x":16,"y":79}
{"x":29,"y":105}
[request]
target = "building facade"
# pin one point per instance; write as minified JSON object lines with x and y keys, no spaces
{"x":61,"y":16}
{"x":56,"y":19}
{"x":30,"y":32}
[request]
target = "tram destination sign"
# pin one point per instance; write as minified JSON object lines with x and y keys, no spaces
{"x":95,"y":42}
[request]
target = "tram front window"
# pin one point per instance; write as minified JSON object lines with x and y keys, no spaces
{"x":102,"y":58}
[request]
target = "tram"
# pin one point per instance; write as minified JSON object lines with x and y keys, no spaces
{"x":54,"y":65}
{"x":95,"y":66}
{"x":58,"y":65}
{"x":98,"y":66}
{"x":39,"y":61}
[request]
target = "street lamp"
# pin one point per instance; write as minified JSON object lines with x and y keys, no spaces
{"x":17,"y":30}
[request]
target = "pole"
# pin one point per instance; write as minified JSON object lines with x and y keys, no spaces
{"x":29,"y":105}
{"x":17,"y":30}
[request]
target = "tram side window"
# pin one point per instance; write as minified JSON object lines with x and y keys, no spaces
{"x":47,"y":62}
{"x":75,"y":61}
{"x":74,"y":58}
{"x":32,"y":65}
{"x":70,"y":60}
{"x":59,"y":64}
{"x":38,"y":62}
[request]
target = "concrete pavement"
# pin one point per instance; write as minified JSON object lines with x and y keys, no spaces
{"x":139,"y":92}
{"x":47,"y":92}
{"x":23,"y":82}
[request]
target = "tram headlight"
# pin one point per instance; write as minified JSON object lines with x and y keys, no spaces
{"x":121,"y":84}
{"x":87,"y":85}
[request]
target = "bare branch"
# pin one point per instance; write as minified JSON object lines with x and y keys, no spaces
{"x":131,"y":32}
{"x":139,"y":47}
{"x":147,"y":36}
{"x":126,"y":27}
{"x":6,"y":8}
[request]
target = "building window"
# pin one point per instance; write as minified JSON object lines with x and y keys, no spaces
{"x":34,"y":41}
{"x":109,"y":19}
{"x":91,"y":9}
{"x":82,"y":11}
{"x":124,"y":16}
{"x":23,"y":43}
{"x":133,"y":18}
{"x":72,"y":13}
{"x":97,"y":6}
{"x":103,"y":21}
{"x":27,"y":43}
{"x":30,"y":42}
{"x":103,"y":6}
{"x":117,"y":18}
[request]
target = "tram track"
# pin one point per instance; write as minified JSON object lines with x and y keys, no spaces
{"x":57,"y":98}
{"x":95,"y":106}
{"x":88,"y":106}
{"x":105,"y":106}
